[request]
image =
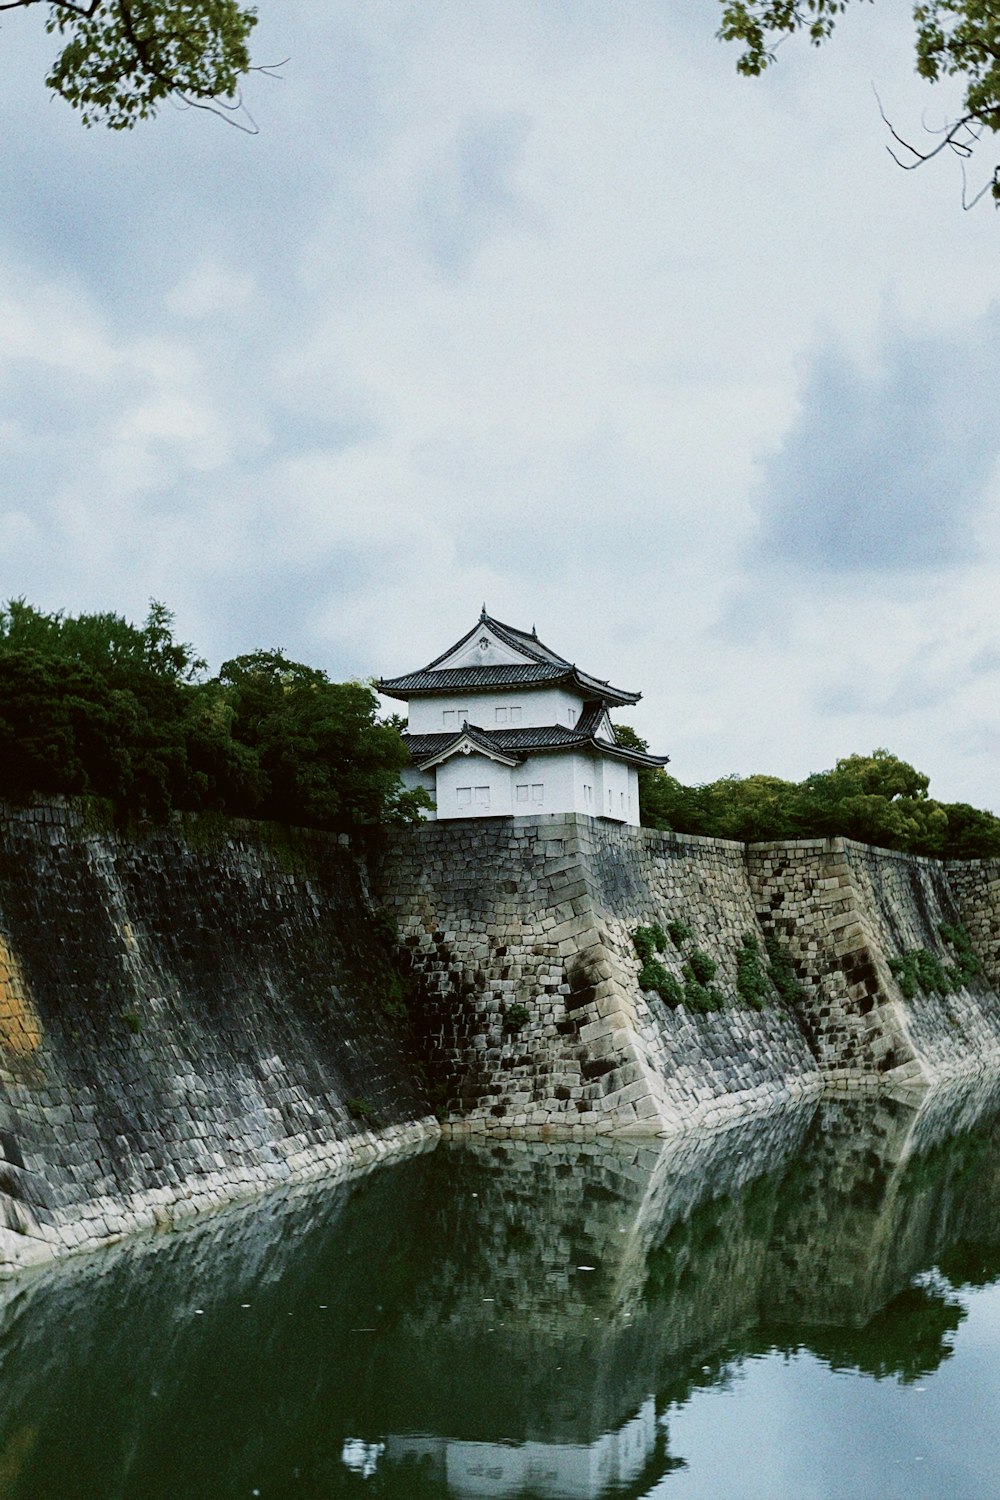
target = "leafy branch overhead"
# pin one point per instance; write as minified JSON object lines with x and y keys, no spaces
{"x":954,"y":39}
{"x":121,"y":59}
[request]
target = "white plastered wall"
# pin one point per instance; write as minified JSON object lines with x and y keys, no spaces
{"x":553,"y":783}
{"x":487,"y":783}
{"x":619,"y":796}
{"x":540,"y":707}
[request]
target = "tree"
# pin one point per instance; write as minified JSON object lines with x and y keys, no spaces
{"x":875,"y":799}
{"x":90,"y":704}
{"x":121,"y":59}
{"x":325,"y":759}
{"x":954,"y":38}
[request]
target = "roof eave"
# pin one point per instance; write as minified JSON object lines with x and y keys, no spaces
{"x":589,"y":687}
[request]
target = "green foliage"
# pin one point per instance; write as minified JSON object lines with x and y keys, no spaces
{"x":361,"y":1111}
{"x":133,"y":1021}
{"x":395,"y":1001}
{"x":696,"y":971}
{"x":93,"y":706}
{"x":954,"y":38}
{"x":753,"y":983}
{"x":324,"y":758}
{"x":697,"y":996}
{"x":121,"y":59}
{"x":653,"y":976}
{"x":782,"y":970}
{"x":967,"y":964}
{"x":702,"y":967}
{"x":515,"y":1017}
{"x":918,"y":969}
{"x":875,"y":799}
{"x":649,"y":940}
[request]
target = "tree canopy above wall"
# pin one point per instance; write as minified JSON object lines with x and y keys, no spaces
{"x":876,"y":799}
{"x":91,"y":704}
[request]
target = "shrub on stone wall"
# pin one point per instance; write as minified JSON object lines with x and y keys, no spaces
{"x":919,"y":969}
{"x":753,"y":983}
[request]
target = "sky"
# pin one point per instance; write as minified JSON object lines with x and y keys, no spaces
{"x":536,"y":304}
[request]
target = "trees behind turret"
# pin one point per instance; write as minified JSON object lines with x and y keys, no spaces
{"x":875,"y":799}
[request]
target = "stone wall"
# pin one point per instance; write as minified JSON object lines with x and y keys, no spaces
{"x":844,"y":910}
{"x":519,"y":936}
{"x":186,"y":1018}
{"x":519,"y":933}
{"x":976,"y":887}
{"x":196,"y":1013}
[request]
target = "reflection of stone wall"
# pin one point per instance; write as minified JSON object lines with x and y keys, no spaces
{"x":318,"y":1330}
{"x":184,"y":1019}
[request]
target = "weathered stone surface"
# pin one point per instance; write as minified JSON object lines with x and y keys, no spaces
{"x":841,"y":910}
{"x":186,"y":1018}
{"x":193,"y":1015}
{"x":624,"y":1059}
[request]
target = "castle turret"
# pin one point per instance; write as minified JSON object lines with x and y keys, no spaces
{"x":501,"y":725}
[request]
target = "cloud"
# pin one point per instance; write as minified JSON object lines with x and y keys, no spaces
{"x":471,"y":196}
{"x":208,"y":289}
{"x":885,"y":469}
{"x":506,"y":303}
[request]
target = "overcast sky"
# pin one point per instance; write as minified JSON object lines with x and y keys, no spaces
{"x":536,"y":303}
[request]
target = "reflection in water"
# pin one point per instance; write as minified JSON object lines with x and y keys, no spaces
{"x":511,"y":1319}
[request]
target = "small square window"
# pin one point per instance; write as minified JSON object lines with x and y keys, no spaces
{"x":515,"y":715}
{"x":521,"y":793}
{"x":482,"y":796}
{"x":500,"y":715}
{"x":448,"y":718}
{"x":464,"y":794}
{"x":537,"y":790}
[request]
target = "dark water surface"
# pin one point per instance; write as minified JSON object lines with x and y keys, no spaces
{"x":803,"y":1307}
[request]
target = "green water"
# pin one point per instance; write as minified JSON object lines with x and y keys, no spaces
{"x":806,"y":1307}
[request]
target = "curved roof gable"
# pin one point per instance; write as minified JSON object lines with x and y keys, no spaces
{"x":494,"y":655}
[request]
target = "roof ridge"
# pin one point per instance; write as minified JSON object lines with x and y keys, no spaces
{"x":525,"y":641}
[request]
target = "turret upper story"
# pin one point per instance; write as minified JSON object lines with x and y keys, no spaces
{"x":497,"y":677}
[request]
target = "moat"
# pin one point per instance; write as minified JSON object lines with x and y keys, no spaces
{"x":807,"y":1306}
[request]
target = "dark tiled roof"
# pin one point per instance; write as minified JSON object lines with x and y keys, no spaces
{"x":544,"y":667}
{"x":436,"y":744}
{"x":521,"y":742}
{"x":485,"y":679}
{"x":519,"y":640}
{"x":455,"y":679}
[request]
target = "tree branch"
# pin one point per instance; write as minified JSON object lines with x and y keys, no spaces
{"x":87,"y":11}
